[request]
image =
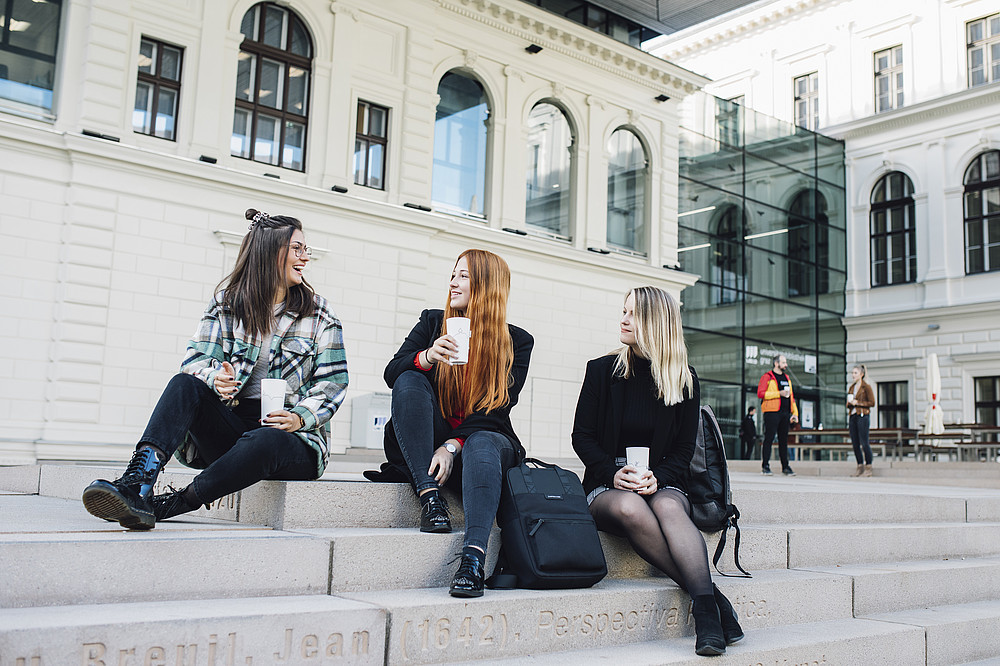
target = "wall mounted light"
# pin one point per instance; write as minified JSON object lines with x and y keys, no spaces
{"x":207,"y":159}
{"x":416,"y":206}
{"x":339,"y":189}
{"x":661,"y":98}
{"x":532,"y":48}
{"x":933,"y":327}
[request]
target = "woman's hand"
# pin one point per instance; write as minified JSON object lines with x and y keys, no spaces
{"x":627,"y":478}
{"x":282,"y":420}
{"x":225,"y":381}
{"x":441,"y":463}
{"x":443,"y":349}
{"x":647,"y":484}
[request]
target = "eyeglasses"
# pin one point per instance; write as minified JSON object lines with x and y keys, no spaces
{"x":301,"y":250}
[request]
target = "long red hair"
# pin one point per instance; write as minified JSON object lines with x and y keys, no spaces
{"x":482,"y":383}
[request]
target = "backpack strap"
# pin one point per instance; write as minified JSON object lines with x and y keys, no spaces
{"x":499,"y":580}
{"x":734,"y":522}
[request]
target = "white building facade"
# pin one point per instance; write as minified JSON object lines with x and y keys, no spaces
{"x":134,"y":133}
{"x":913,"y":89}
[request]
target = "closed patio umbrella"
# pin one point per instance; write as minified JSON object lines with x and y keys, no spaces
{"x":933,"y":418}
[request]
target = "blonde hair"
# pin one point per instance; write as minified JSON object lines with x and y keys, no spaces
{"x":483,"y":382}
{"x":660,"y":338}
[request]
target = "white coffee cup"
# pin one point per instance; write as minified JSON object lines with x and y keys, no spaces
{"x":850,"y":396}
{"x":638,"y":457}
{"x":272,"y":396}
{"x":460,"y":329}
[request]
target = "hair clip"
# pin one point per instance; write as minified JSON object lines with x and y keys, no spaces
{"x":257,"y":218}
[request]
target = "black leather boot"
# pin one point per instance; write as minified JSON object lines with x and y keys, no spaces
{"x":434,"y":513}
{"x":731,"y":628}
{"x":127,"y":499}
{"x":171,"y":504}
{"x":709,"y":640}
{"x":468,"y":580}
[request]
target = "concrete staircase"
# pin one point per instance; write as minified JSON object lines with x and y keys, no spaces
{"x":846,"y":571}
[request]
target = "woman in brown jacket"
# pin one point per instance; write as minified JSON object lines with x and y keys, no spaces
{"x":860,"y":400}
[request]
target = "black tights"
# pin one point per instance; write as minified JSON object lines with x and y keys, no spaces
{"x":660,"y":530}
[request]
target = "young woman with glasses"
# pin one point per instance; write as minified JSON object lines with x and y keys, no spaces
{"x":265,"y":322}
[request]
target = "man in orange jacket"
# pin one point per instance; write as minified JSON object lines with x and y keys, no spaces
{"x":779,"y":410}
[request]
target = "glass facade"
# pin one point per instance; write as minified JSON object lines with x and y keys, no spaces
{"x":762,"y":220}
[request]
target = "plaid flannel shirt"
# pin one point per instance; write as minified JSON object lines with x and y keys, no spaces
{"x":307,"y":352}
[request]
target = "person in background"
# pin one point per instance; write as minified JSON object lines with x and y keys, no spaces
{"x":748,"y":432}
{"x":860,"y":400}
{"x":265,"y":322}
{"x":778,"y":406}
{"x":644,"y":394}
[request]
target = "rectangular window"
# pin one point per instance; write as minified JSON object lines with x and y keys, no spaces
{"x":158,"y":89}
{"x":370,"y":143}
{"x":889,"y":79}
{"x":983,"y":40}
{"x":806,"y":90}
{"x":29,"y":38}
{"x":988,"y":400}
{"x":893,"y":405}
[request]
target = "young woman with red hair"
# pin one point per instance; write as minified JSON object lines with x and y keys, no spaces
{"x":450,"y":424}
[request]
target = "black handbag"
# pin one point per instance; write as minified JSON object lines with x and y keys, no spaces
{"x":548,"y":538}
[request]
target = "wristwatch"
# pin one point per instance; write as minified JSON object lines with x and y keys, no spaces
{"x":450,"y":448}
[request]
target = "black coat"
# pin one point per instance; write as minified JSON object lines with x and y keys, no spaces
{"x":597,"y":428}
{"x":422,"y":336}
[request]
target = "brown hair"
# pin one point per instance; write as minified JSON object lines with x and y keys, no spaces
{"x":250,"y":289}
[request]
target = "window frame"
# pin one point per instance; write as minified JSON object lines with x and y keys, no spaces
{"x":893,"y":74}
{"x":885,"y":207}
{"x":158,"y":82}
{"x":810,"y":99}
{"x":642,"y":233}
{"x":979,"y":403}
{"x":369,"y":139}
{"x":900,"y":411}
{"x":52,"y":59}
{"x":260,"y":51}
{"x":981,"y":187}
{"x":439,"y":163}
{"x":532,"y":174}
{"x":989,"y":40}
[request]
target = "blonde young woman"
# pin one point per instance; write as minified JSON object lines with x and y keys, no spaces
{"x":645,"y":394}
{"x":451,"y":424}
{"x":860,"y":400}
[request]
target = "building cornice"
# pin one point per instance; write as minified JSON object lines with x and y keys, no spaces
{"x":552,"y":32}
{"x":922,"y":315}
{"x":964,"y":100}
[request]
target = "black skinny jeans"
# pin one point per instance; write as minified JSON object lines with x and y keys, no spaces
{"x":237,"y":451}
{"x":859,"y":426}
{"x":775,"y":423}
{"x":479,"y":466}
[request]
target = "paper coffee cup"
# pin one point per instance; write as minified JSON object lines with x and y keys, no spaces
{"x":460,"y":329}
{"x":272,"y":396}
{"x":850,"y":396}
{"x":637,"y":456}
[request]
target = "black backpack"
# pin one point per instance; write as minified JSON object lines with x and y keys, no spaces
{"x":548,"y":538}
{"x":712,"y":508}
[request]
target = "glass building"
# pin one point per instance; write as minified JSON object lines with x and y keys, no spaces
{"x":761,"y":218}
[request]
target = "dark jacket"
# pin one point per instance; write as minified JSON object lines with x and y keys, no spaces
{"x":748,"y":431}
{"x":422,"y":336}
{"x":598,"y":421}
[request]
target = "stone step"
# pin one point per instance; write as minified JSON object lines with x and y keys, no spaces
{"x":53,"y":553}
{"x":957,"y":633}
{"x":839,"y":641}
{"x":895,"y":586}
{"x":291,"y":630}
{"x":427,"y":626}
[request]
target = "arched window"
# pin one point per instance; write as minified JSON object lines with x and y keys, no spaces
{"x":550,"y":155}
{"x":627,"y":176}
{"x":460,"y":133}
{"x":728,"y":275}
{"x":272,"y":88}
{"x":808,"y":244}
{"x":893,"y":233}
{"x":982,"y":213}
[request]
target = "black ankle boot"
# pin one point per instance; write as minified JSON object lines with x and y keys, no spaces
{"x":127,"y":498}
{"x":434,"y":513}
{"x":468,"y":580}
{"x":171,"y":504}
{"x":709,"y":640}
{"x":731,"y":628}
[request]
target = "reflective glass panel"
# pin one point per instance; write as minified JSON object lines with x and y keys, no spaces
{"x":550,"y":141}
{"x":627,"y":192}
{"x":460,"y":135}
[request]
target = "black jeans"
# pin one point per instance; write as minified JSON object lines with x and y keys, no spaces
{"x":775,"y":423}
{"x":859,"y":425}
{"x":236,"y":450}
{"x":478,"y":468}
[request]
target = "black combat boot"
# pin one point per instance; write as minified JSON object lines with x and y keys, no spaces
{"x":709,"y":640}
{"x":171,"y":504}
{"x":127,"y":499}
